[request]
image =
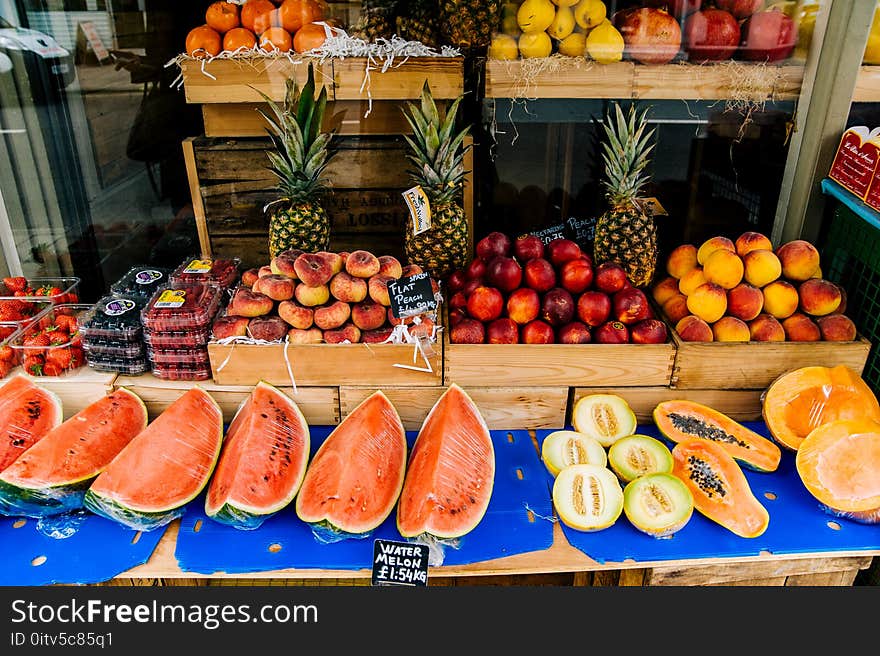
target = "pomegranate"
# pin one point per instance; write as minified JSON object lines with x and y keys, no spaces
{"x":651,"y":36}
{"x":768,"y":36}
{"x":740,"y":8}
{"x":711,"y":35}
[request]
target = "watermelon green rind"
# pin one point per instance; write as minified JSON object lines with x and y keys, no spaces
{"x":242,"y":515}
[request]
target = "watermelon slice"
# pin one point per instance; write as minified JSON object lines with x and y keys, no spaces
{"x":164,"y":467}
{"x":354,"y":479}
{"x":52,"y":476}
{"x":451,"y":471}
{"x":263,"y":460}
{"x":27,"y":413}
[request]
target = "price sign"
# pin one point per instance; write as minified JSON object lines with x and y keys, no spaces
{"x":547,"y":235}
{"x":399,"y":563}
{"x":411,"y":295}
{"x":582,"y":230}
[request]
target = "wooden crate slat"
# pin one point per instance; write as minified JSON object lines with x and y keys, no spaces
{"x":574,"y":79}
{"x":718,"y":81}
{"x":239,"y":80}
{"x":867,"y":85}
{"x":400,"y":82}
{"x":719,"y":573}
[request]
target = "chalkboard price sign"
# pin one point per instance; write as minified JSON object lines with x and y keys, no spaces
{"x":399,"y":563}
{"x":547,"y":235}
{"x":411,"y":295}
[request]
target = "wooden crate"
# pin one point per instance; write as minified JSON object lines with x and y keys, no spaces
{"x":557,"y":365}
{"x":319,"y":405}
{"x":323,"y":365}
{"x":503,"y":408}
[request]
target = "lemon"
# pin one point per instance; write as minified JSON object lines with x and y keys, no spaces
{"x":872,"y":49}
{"x":508,"y":19}
{"x":574,"y":45}
{"x":535,"y":44}
{"x":589,"y":13}
{"x":563,"y":24}
{"x":535,"y":15}
{"x":565,"y":3}
{"x":503,"y":46}
{"x":605,"y":43}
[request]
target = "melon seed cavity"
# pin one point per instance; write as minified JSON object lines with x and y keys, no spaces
{"x":605,"y":419}
{"x":577,"y":495}
{"x":576,"y":454}
{"x":656,"y":502}
{"x":697,"y":428}
{"x":640,"y":460}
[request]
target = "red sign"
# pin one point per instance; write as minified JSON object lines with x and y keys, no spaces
{"x":856,"y":161}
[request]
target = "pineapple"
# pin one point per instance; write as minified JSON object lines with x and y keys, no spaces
{"x":376,"y":20}
{"x":469,"y":23}
{"x":438,"y":155}
{"x":420,"y":22}
{"x":297,"y":219}
{"x":626,"y":233}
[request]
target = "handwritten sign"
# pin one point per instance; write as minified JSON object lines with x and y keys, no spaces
{"x":411,"y":295}
{"x":581,"y":230}
{"x":419,"y":209}
{"x":94,"y":39}
{"x":399,"y":563}
{"x":547,"y":235}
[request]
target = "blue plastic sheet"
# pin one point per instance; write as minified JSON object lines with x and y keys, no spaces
{"x":797,"y":524}
{"x":513,"y":524}
{"x":95,"y":551}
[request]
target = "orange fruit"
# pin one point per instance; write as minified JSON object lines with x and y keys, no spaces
{"x":203,"y":41}
{"x":308,"y":37}
{"x":296,"y":13}
{"x":276,"y":38}
{"x":239,"y":37}
{"x":252,"y":9}
{"x":222,"y":16}
{"x":263,"y":22}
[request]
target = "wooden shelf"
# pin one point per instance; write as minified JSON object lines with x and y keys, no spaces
{"x":868,"y":85}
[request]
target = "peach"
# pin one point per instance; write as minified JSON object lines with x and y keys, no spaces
{"x":394,"y":321}
{"x":378,"y":288}
{"x":247,"y":303}
{"x":730,"y":329}
{"x":249,"y":277}
{"x":780,"y":299}
{"x":502,"y":331}
{"x":574,"y":333}
{"x":681,"y":260}
{"x":424,"y":329}
{"x":268,"y":329}
{"x":362,"y":264}
{"x":334,"y":260}
{"x":368,"y":315}
{"x":312,"y":296}
{"x":766,"y":328}
{"x":314,"y":269}
{"x":390,"y":266}
{"x":328,"y":317}
{"x":468,"y":331}
{"x":348,"y":332}
{"x":308,"y":336}
{"x":485,"y":304}
{"x":752,"y":241}
{"x":675,"y":308}
{"x":708,"y":302}
{"x":800,"y":328}
{"x":411,"y":270}
{"x":711,"y":245}
{"x":345,"y":287}
{"x":278,"y":288}
{"x":836,"y":328}
{"x":819,"y":297}
{"x":664,"y":290}
{"x":296,"y":315}
{"x":745,"y":301}
{"x":523,"y":305}
{"x":230,"y":326}
{"x":694,"y":329}
{"x":283,"y":264}
{"x":723,"y":268}
{"x":264,"y":271}
{"x":649,"y":331}
{"x":761,"y":267}
{"x":799,"y":258}
{"x":538,"y":332}
{"x":691,"y":280}
{"x":376,"y":336}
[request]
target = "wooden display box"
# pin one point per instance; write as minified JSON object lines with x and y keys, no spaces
{"x":323,"y":365}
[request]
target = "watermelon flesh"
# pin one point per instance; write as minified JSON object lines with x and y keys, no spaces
{"x":451,"y":471}
{"x":52,"y":476}
{"x":164,"y":467}
{"x":27,"y":413}
{"x":263,"y":460}
{"x":355,"y":478}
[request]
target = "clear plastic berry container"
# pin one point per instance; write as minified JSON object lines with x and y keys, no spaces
{"x":51,"y":345}
{"x":141,"y":281}
{"x":56,"y":290}
{"x":217,"y":271}
{"x":191,"y":357}
{"x":16,"y":313}
{"x":108,"y":348}
{"x":114,"y":318}
{"x":182,"y":307}
{"x":129,"y":367}
{"x":177,"y":338}
{"x":181,"y":372}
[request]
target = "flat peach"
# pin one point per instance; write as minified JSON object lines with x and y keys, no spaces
{"x":345,"y":287}
{"x":377,"y":287}
{"x":296,"y":315}
{"x":368,"y":315}
{"x":308,"y":336}
{"x":312,"y":296}
{"x":390,"y":266}
{"x":328,"y":317}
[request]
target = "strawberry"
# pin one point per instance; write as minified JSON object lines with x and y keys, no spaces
{"x":6,"y":353}
{"x":15,"y":283}
{"x":52,"y":369}
{"x":56,"y":337}
{"x":48,"y":290}
{"x":33,"y":364}
{"x":36,"y":339}
{"x":66,"y":322}
{"x":65,"y":358}
{"x":5,"y":368}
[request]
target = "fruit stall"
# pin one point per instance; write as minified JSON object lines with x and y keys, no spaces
{"x":355,"y":354}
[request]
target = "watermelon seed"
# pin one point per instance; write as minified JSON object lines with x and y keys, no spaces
{"x":39,"y":560}
{"x":264,"y":415}
{"x":274,"y":547}
{"x":18,"y":523}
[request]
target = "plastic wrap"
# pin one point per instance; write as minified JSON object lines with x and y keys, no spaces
{"x":113,"y":364}
{"x":194,"y":358}
{"x":15,"y":314}
{"x":177,"y":338}
{"x":180,"y":372}
{"x":114,"y":319}
{"x":182,"y":306}
{"x":263,"y":460}
{"x":164,"y":467}
{"x":27,"y":414}
{"x":56,"y":290}
{"x":109,"y":348}
{"x":140,"y":282}
{"x":52,"y":345}
{"x":196,"y":269}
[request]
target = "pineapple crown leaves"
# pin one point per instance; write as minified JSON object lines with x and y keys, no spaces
{"x":301,"y":151}
{"x":436,"y":149}
{"x":625,"y":153}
